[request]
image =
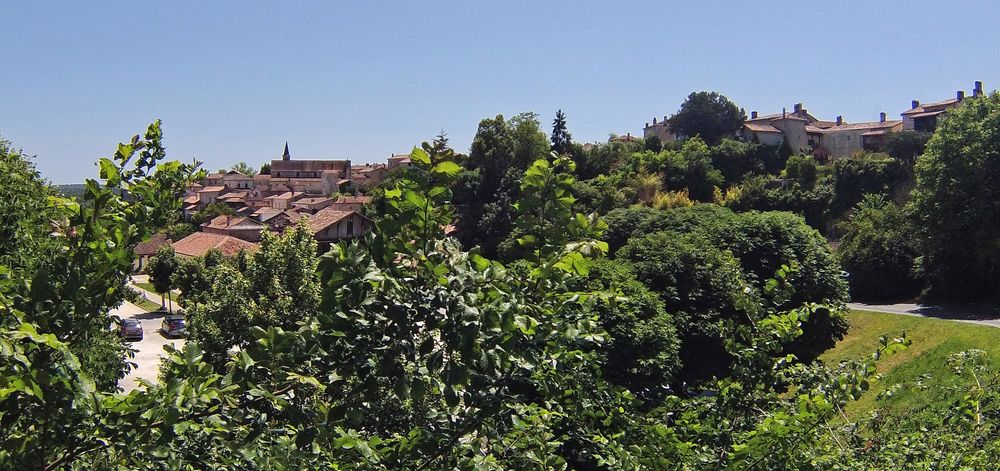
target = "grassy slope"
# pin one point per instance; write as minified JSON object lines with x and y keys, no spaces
{"x":933,"y":341}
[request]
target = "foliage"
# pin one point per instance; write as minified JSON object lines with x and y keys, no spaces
{"x":210,"y":212}
{"x":877,"y":251}
{"x":709,"y":115}
{"x":180,"y":230}
{"x":906,"y":146}
{"x":867,"y":173}
{"x":813,"y":205}
{"x":957,"y":221}
{"x":801,"y":168}
{"x":672,"y":199}
{"x":560,"y":138}
{"x":161,"y":269}
{"x":245,"y":169}
{"x":652,"y":143}
{"x":701,"y":286}
{"x":737,"y":160}
{"x":265,"y":168}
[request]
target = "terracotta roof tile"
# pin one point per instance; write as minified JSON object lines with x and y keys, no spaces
{"x":151,"y":246}
{"x":760,"y":127}
{"x":199,"y":243}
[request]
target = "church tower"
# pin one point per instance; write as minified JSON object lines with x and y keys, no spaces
{"x":286,"y":155}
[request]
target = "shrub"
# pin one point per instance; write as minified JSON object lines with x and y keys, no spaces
{"x":877,"y":251}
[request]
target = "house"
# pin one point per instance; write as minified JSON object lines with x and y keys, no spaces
{"x":209,"y":194}
{"x":241,"y":227}
{"x":804,"y":133}
{"x":284,"y":200}
{"x":845,"y":139}
{"x":330,"y":225}
{"x":628,"y":137}
{"x":368,"y":175}
{"x":399,"y":160}
{"x":312,"y":205}
{"x":145,"y":250}
{"x":924,"y":117}
{"x":199,"y":243}
{"x":660,"y":130}
{"x":350,"y":203}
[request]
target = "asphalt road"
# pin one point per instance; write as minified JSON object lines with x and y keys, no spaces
{"x":149,"y":349}
{"x":982,"y":315}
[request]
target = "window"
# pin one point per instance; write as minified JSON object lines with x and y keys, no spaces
{"x":350,"y":227}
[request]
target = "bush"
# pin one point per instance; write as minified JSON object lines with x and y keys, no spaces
{"x":867,"y":173}
{"x":642,"y":350}
{"x":701,"y":286}
{"x":878,"y":252}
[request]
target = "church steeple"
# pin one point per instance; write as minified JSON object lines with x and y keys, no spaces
{"x":286,"y":155}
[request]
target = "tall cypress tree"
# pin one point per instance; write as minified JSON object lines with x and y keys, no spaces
{"x":561,"y":138}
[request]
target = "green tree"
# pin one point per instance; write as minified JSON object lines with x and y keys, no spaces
{"x":906,"y":146}
{"x":161,"y":270}
{"x":244,"y":168}
{"x":954,"y":203}
{"x":210,"y":212}
{"x":709,"y":115}
{"x":560,"y":138}
{"x":803,"y":169}
{"x":265,"y":168}
{"x":878,"y":251}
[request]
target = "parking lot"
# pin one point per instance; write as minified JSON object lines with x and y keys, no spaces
{"x":149,"y":349}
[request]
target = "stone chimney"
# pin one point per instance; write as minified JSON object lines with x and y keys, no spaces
{"x":978,"y":89}
{"x":798,"y":108}
{"x":914,"y":104}
{"x":784,"y":113}
{"x":881,"y":117}
{"x":654,"y":120}
{"x":647,"y":124}
{"x":753,"y":115}
{"x":960,"y":95}
{"x":840,"y":120}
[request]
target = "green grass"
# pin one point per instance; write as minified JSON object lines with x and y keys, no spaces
{"x":146,"y":286}
{"x":149,"y":306}
{"x":925,"y":361}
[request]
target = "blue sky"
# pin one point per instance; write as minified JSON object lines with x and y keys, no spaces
{"x":232,"y":81}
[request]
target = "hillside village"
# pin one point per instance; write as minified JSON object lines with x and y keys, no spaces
{"x":830,"y":139}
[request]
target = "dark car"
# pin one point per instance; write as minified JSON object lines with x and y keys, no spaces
{"x":174,"y":326}
{"x":130,"y":329}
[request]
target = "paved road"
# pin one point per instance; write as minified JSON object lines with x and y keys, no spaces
{"x":150,"y":348}
{"x":982,"y":315}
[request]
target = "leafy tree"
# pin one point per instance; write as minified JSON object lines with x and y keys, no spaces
{"x":906,"y":146}
{"x":803,"y":169}
{"x":210,"y":212}
{"x":954,"y":203}
{"x":878,"y":252}
{"x":709,"y":115}
{"x":161,"y":270}
{"x":265,"y":168}
{"x":180,"y":230}
{"x":702,"y":286}
{"x":561,"y":139}
{"x":244,"y":168}
{"x":736,"y":160}
{"x":652,"y":143}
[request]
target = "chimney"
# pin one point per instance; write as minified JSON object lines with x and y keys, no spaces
{"x":664,"y":118}
{"x":784,"y":113}
{"x":647,"y":125}
{"x":798,"y":108}
{"x":654,"y":120}
{"x":881,"y":117}
{"x":753,"y":115}
{"x":914,"y":104}
{"x":960,"y":95}
{"x":978,"y":89}
{"x":840,"y":120}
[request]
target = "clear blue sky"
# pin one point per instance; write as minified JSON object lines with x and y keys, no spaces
{"x":232,"y":81}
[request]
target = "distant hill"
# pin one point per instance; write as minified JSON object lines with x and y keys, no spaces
{"x":75,"y":189}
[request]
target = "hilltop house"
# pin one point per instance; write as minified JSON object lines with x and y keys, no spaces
{"x":924,"y":117}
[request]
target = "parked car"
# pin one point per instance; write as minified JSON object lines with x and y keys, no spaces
{"x":174,"y":326}
{"x":130,"y":329}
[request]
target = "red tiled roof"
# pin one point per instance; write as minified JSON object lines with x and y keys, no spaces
{"x":760,"y":127}
{"x":215,"y":175}
{"x":315,"y":200}
{"x":199,"y":243}
{"x":151,"y":246}
{"x":927,"y":114}
{"x":193,"y":199}
{"x":209,"y":189}
{"x":871,"y":125}
{"x":223,"y":222}
{"x":354,"y":200}
{"x":325,"y":218}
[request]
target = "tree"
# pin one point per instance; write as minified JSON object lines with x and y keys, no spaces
{"x":161,"y":270}
{"x":244,"y":168}
{"x":652,"y":143}
{"x":878,"y":252}
{"x":709,"y":115}
{"x":561,"y":139}
{"x":801,"y":168}
{"x":906,"y":146}
{"x":265,"y":168}
{"x":954,"y":204}
{"x":210,"y":212}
